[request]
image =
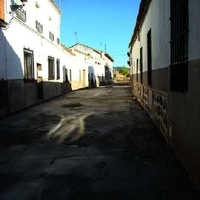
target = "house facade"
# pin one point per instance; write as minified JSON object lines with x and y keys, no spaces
{"x":32,"y":60}
{"x":164,"y":57}
{"x":98,"y":64}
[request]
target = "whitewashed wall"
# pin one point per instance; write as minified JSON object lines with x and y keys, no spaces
{"x":99,"y":69}
{"x":21,"y":35}
{"x":157,"y":19}
{"x":135,"y":55}
{"x":79,"y":65}
{"x":46,"y":12}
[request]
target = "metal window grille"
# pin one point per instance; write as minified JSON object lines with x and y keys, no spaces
{"x":51,"y":68}
{"x":51,"y":36}
{"x":28,"y":65}
{"x":70,"y":74}
{"x":141,"y":65}
{"x":39,"y":27}
{"x":149,"y":57}
{"x":21,"y":14}
{"x":58,"y":68}
{"x":179,"y":46}
{"x":137,"y":70}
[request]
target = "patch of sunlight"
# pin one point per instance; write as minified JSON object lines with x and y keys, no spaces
{"x":69,"y":127}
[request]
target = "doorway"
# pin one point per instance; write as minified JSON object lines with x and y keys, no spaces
{"x":39,"y":82}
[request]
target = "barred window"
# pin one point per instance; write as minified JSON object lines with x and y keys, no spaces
{"x":141,"y":65}
{"x":137,"y":70}
{"x":21,"y":14}
{"x":28,"y":65}
{"x":149,"y":57}
{"x":66,"y":75}
{"x":58,"y":68}
{"x":179,"y":46}
{"x":51,"y":68}
{"x":70,"y":75}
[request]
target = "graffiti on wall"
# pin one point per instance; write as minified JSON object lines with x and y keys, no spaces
{"x":146,"y":98}
{"x":156,"y":105}
{"x":160,"y":112}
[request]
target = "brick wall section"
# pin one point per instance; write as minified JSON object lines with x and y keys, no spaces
{"x":2,"y":9}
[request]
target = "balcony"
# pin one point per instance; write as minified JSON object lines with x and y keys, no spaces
{"x":39,"y":27}
{"x":21,"y":14}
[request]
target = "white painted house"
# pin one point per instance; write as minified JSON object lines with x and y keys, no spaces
{"x":32,"y":58}
{"x":165,"y":73}
{"x":98,"y":64}
{"x":34,"y":65}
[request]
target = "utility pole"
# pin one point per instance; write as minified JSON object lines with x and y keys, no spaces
{"x":76,"y":36}
{"x":104,"y":47}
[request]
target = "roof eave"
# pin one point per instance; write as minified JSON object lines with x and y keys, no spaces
{"x":143,"y":9}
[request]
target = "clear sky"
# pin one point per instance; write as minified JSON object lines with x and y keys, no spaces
{"x":99,"y":24}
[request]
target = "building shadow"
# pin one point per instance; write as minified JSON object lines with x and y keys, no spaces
{"x":11,"y":89}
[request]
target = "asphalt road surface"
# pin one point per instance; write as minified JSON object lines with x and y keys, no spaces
{"x":89,"y":144}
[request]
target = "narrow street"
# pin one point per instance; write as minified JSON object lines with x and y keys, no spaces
{"x":88,"y":144}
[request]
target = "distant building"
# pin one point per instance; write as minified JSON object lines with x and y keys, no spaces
{"x":99,"y":64}
{"x":165,"y":74}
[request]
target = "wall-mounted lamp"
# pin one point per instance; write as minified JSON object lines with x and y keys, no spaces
{"x":15,"y":7}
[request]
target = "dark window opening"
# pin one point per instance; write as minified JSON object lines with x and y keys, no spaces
{"x":58,"y":68}
{"x":179,"y":46}
{"x":28,"y":65}
{"x":137,"y":70}
{"x":66,"y":75}
{"x":149,"y":57}
{"x":51,"y":68}
{"x":141,"y":65}
{"x":70,"y":75}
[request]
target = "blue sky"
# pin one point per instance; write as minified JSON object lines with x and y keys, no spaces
{"x":99,"y":24}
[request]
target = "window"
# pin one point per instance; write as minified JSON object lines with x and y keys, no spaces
{"x":28,"y":65}
{"x":137,"y":70}
{"x":58,"y":41}
{"x":179,"y":46}
{"x":79,"y":75}
{"x":51,"y":68}
{"x":141,"y":65}
{"x":51,"y":36}
{"x":70,"y":75}
{"x":58,"y":68}
{"x":149,"y":57}
{"x":66,"y":75}
{"x":21,"y":14}
{"x":39,"y":27}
